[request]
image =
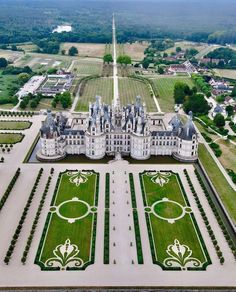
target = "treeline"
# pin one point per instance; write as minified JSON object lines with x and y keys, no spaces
{"x":24,"y":21}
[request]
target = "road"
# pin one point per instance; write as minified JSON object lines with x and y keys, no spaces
{"x":115,"y":70}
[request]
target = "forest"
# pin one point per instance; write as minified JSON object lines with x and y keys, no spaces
{"x":33,"y":21}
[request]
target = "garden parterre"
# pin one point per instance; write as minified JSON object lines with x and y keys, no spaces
{"x":68,"y":240}
{"x":175,"y":240}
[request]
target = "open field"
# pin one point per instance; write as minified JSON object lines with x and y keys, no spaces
{"x":89,"y":66}
{"x":130,"y":88}
{"x":14,"y":125}
{"x":42,"y":62}
{"x":86,"y":49}
{"x":171,"y":222}
{"x":165,"y":88}
{"x":228,"y":157}
{"x":226,"y":193}
{"x":187,"y":45}
{"x":227,"y":148}
{"x":98,"y":86}
{"x":71,"y":223}
{"x":8,"y":85}
{"x":27,"y":47}
{"x":225,"y":73}
{"x":10,"y":138}
{"x":136,"y":50}
{"x":10,"y":55}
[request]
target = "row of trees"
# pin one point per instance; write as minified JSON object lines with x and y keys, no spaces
{"x":22,"y":219}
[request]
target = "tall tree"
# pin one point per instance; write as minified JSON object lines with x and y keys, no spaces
{"x":73,"y":51}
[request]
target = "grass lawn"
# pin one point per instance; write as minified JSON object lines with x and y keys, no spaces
{"x":14,"y":125}
{"x":164,"y":233}
{"x":226,"y":193}
{"x":87,"y":67}
{"x":10,"y":138}
{"x":81,"y":232}
{"x":165,"y":88}
{"x":130,"y":88}
{"x":8,"y":85}
{"x":99,"y":86}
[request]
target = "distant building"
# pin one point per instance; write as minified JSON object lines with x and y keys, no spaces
{"x":57,"y":83}
{"x":31,"y":86}
{"x":110,"y":130}
{"x":187,"y":67}
{"x":211,"y":61}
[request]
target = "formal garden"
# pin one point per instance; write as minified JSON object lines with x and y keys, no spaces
{"x":68,"y":239}
{"x":175,"y":239}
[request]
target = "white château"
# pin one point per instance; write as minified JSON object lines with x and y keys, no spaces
{"x":109,"y":130}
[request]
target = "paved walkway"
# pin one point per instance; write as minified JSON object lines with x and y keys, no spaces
{"x":123,"y":273}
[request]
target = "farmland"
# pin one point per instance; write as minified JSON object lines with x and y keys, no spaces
{"x":98,"y":86}
{"x":86,"y":49}
{"x":130,"y":88}
{"x":10,"y":55}
{"x":165,"y":88}
{"x":225,"y":73}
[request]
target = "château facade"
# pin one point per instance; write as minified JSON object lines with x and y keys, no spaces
{"x":108,"y":130}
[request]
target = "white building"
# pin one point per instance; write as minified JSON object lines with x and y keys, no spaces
{"x":108,"y":130}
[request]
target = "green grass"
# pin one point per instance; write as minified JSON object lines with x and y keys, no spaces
{"x":14,"y":125}
{"x":83,"y":67}
{"x":164,"y":233}
{"x":165,"y":88}
{"x":226,"y":193}
{"x":80,"y":232}
{"x":130,"y":88}
{"x":8,"y":85}
{"x":99,"y":86}
{"x":10,"y":138}
{"x":168,"y":210}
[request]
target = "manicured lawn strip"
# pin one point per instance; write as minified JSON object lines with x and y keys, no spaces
{"x":224,"y":190}
{"x":106,"y":254}
{"x":132,"y":190}
{"x":81,"y":232}
{"x":163,"y":233}
{"x":22,"y":219}
{"x":9,"y":189}
{"x":11,"y":138}
{"x":35,"y":222}
{"x":15,"y":125}
{"x":138,"y":238}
